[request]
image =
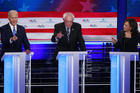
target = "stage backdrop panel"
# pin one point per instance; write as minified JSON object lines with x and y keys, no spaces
{"x":133,"y":7}
{"x":98,"y":18}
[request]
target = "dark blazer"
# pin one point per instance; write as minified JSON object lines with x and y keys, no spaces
{"x":127,"y":44}
{"x":75,"y":42}
{"x":15,"y":46}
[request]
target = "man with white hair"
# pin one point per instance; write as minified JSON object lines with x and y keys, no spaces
{"x":68,"y":35}
{"x":13,"y":35}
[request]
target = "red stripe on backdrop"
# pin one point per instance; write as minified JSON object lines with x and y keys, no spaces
{"x":60,"y":14}
{"x":39,"y":30}
{"x":137,"y":18}
{"x":87,"y":31}
{"x":100,"y":31}
{"x":3,"y":14}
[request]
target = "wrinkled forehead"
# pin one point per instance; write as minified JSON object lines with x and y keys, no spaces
{"x":13,"y":14}
{"x":68,"y":18}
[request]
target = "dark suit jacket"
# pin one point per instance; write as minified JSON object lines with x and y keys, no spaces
{"x":75,"y":42}
{"x":15,"y":46}
{"x":128,"y":44}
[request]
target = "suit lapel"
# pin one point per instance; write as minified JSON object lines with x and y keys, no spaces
{"x":64,"y":28}
{"x":72,"y":31}
{"x":18,"y":30}
{"x":9,"y":30}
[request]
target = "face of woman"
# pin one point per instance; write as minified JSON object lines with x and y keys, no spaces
{"x":126,"y":26}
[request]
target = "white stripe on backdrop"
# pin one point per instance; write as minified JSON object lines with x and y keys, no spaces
{"x":95,"y":27}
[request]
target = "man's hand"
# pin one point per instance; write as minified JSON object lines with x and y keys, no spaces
{"x":14,"y":38}
{"x":28,"y":51}
{"x":59,"y":35}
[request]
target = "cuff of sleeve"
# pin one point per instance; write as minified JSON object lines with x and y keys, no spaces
{"x":11,"y":41}
{"x":56,"y":39}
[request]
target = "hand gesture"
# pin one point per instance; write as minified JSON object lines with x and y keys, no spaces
{"x":114,"y":41}
{"x":59,"y":35}
{"x":28,"y":51}
{"x":14,"y":38}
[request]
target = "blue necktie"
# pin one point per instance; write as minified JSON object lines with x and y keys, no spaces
{"x":68,"y":33}
{"x":14,"y":31}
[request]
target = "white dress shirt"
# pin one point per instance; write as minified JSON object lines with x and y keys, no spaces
{"x":12,"y":27}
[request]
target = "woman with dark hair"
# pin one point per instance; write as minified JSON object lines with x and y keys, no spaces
{"x":129,"y":37}
{"x":127,"y":42}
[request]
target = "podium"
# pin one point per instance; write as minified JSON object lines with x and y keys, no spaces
{"x":120,"y":71}
{"x":14,"y":72}
{"x":68,"y":71}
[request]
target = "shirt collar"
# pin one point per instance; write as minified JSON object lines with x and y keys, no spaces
{"x":11,"y":26}
{"x":67,"y":27}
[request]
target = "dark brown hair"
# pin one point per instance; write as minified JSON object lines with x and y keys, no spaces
{"x":133,"y":24}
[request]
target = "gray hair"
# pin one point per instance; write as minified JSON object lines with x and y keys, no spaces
{"x":68,"y":13}
{"x":11,"y":12}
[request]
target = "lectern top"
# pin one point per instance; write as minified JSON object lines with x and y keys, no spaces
{"x":15,"y":54}
{"x":72,"y":52}
{"x":123,"y":53}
